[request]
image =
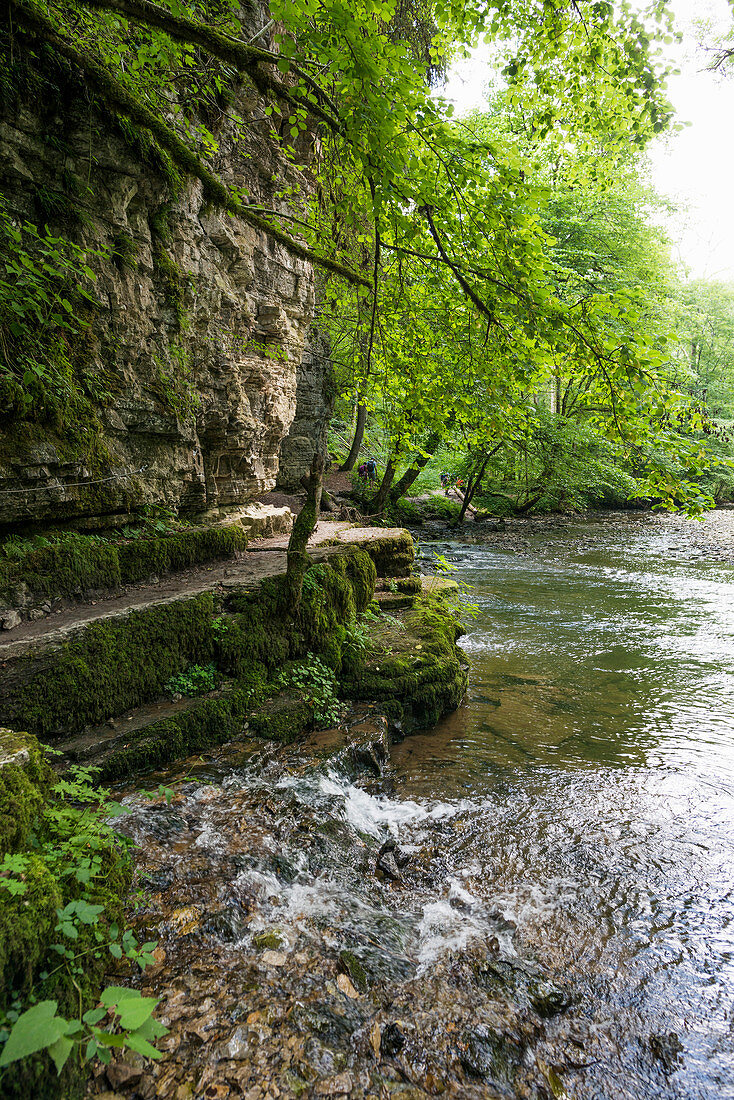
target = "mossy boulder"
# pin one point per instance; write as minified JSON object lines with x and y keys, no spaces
{"x":25,"y":781}
{"x":414,"y":670}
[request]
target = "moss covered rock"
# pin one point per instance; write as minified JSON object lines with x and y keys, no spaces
{"x":40,"y":880}
{"x":414,"y":670}
{"x":72,"y":564}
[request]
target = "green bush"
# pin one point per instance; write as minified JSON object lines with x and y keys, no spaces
{"x":63,"y":876}
{"x":196,"y":680}
{"x":317,"y":683}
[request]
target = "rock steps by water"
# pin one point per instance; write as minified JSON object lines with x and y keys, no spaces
{"x":263,"y":558}
{"x":96,"y":684}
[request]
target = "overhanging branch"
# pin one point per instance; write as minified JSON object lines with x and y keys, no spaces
{"x":215,"y":191}
{"x":241,"y":55}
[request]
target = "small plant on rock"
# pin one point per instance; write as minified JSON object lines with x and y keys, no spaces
{"x":196,"y":680}
{"x":317,"y":683}
{"x":75,"y":845}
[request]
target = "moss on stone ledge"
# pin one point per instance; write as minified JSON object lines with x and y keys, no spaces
{"x":108,"y":667}
{"x":116,"y":664}
{"x":73,"y":564}
{"x":415,"y":669}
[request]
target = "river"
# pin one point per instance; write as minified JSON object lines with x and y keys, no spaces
{"x":537,"y":896}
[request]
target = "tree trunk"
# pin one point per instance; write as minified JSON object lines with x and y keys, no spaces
{"x":351,"y":458}
{"x":303,"y":528}
{"x":473,"y":485}
{"x":377,"y":504}
{"x":401,"y":487}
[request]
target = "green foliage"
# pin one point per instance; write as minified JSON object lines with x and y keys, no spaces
{"x":45,"y":298}
{"x":61,"y":882}
{"x":124,"y":251}
{"x":317,"y":683}
{"x":195,"y":680}
{"x":437,"y":507}
{"x":558,"y":464}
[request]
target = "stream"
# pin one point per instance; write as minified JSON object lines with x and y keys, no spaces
{"x":533,"y":899}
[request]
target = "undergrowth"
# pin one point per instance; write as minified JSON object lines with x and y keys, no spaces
{"x":62,"y":880}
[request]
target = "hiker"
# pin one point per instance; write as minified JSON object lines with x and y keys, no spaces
{"x":368,"y":471}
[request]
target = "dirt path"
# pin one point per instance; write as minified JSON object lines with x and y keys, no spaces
{"x":263,"y":558}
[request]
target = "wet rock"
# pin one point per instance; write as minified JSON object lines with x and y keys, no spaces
{"x":490,"y":1056}
{"x":270,"y":939}
{"x":185,"y":920}
{"x":322,"y":1058}
{"x":667,"y":1049}
{"x":548,"y":1000}
{"x":226,"y":924}
{"x":369,"y":744}
{"x":345,"y":985}
{"x":237,"y":1047}
{"x":390,"y":861}
{"x":392,"y":1041}
{"x":350,"y":965}
{"x":123,"y":1074}
{"x":397,"y":732}
{"x":341,"y":1085}
{"x":274,"y":958}
{"x":375,"y":1039}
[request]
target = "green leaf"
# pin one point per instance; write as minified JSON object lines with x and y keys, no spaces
{"x":37,"y":1028}
{"x":132,"y":1008}
{"x":136,"y":1042}
{"x":60,"y":1051}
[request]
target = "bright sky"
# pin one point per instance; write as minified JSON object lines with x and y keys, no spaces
{"x":694,"y":166}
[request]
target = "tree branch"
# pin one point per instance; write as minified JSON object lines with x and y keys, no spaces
{"x":241,"y":55}
{"x":465,"y":286}
{"x":215,"y":191}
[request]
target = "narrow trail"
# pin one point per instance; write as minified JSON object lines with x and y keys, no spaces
{"x":264,"y":557}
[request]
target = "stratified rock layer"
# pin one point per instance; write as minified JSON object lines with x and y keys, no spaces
{"x":199,"y":332}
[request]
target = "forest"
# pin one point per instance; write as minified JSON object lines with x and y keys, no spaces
{"x":494,"y":309}
{"x":497,"y":290}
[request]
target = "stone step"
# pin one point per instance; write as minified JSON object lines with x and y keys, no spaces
{"x":393,"y":601}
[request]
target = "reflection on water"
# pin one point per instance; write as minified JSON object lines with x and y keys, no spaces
{"x":597,"y":745}
{"x":538,"y":898}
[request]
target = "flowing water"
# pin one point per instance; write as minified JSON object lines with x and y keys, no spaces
{"x":535,"y":898}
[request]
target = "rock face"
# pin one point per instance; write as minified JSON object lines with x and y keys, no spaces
{"x":314,"y":408}
{"x":197,"y":343}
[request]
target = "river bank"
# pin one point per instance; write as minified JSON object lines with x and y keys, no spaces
{"x":711,"y":537}
{"x":529,"y":898}
{"x":135,"y":680}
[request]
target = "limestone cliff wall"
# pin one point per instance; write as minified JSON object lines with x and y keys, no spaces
{"x":314,"y":408}
{"x":200,"y":332}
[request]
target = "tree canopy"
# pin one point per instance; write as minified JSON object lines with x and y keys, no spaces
{"x":468,"y":265}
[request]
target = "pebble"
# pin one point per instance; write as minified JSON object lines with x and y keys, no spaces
{"x":346,"y":986}
{"x":274,"y":958}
